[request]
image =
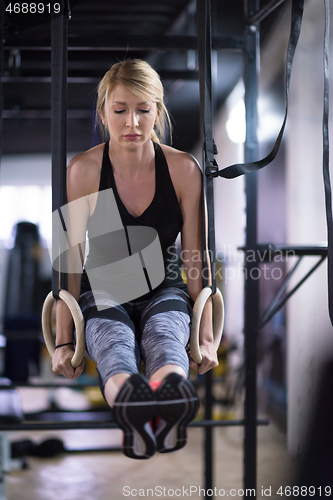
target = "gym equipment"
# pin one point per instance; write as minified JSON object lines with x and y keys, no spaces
{"x":218,"y":321}
{"x":23,"y":293}
{"x":74,"y":308}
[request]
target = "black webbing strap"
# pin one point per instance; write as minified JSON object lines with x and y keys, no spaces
{"x":245,"y":168}
{"x":204,"y":37}
{"x":206,"y":125}
{"x":59,"y":35}
{"x":326,"y":172}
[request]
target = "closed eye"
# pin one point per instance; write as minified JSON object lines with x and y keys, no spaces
{"x":145,"y":110}
{"x":118,"y":112}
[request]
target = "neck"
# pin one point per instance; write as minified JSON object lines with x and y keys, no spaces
{"x":127,"y":162}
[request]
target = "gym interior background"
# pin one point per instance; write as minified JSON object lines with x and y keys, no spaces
{"x":295,"y":344}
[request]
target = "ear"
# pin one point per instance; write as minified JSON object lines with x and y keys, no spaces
{"x":102,"y":117}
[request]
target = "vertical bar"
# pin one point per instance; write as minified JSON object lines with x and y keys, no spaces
{"x":4,"y":463}
{"x":251,"y":274}
{"x":59,"y":32}
{"x":206,"y":122}
{"x":208,"y":433}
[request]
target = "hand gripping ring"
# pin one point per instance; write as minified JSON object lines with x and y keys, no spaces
{"x":74,"y":308}
{"x":218,"y":321}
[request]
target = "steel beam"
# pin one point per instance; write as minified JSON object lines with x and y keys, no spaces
{"x":105,"y":424}
{"x":164,"y":74}
{"x":251,"y":313}
{"x":128,"y":43}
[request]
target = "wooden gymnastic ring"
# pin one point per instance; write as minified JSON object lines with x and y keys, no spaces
{"x":218,"y":321}
{"x":76,"y":312}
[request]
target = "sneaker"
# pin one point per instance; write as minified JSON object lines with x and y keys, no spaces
{"x":134,"y":406}
{"x":177,"y":405}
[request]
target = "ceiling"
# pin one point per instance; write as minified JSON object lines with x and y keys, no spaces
{"x":104,"y":32}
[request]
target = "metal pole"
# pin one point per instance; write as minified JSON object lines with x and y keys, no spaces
{"x":59,"y":32}
{"x":251,"y":268}
{"x":208,"y":433}
{"x":206,"y":122}
{"x":130,"y":43}
{"x":4,"y":463}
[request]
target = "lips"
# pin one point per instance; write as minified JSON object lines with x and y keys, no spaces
{"x":132,"y":137}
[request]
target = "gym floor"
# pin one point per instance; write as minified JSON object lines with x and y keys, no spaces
{"x":110,"y":475}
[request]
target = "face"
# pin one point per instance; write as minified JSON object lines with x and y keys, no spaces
{"x":129,"y":118}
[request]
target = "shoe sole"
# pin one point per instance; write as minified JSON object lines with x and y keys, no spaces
{"x":177,"y":405}
{"x":134,"y":406}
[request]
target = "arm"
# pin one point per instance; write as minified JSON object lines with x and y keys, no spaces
{"x":191,"y":205}
{"x":76,"y":218}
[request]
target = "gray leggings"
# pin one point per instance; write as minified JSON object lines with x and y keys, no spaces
{"x":155,"y":331}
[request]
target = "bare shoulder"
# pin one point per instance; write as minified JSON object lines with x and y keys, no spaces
{"x":184,"y":168}
{"x":83,"y":172}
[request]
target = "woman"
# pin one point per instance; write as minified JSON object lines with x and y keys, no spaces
{"x":157,"y":186}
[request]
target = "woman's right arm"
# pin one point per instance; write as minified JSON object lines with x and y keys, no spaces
{"x":79,"y":184}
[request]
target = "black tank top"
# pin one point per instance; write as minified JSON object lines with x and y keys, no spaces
{"x":163,"y":214}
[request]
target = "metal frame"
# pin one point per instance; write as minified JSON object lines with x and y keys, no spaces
{"x":278,"y":302}
{"x":134,"y":43}
{"x":251,"y":299}
{"x":4,"y":463}
{"x":107,"y":424}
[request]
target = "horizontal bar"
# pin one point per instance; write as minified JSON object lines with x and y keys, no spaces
{"x":22,"y":334}
{"x":306,"y":250}
{"x":77,"y":424}
{"x":128,"y":43}
{"x":266,"y":252}
{"x":109,"y":449}
{"x":48,"y":385}
{"x":225,"y":423}
{"x":70,"y":384}
{"x":47,"y":79}
{"x":39,"y":114}
{"x":264,"y":12}
{"x":164,"y":74}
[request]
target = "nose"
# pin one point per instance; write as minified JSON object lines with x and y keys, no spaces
{"x":132,"y":119}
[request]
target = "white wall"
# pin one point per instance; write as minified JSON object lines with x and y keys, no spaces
{"x":310,"y":334}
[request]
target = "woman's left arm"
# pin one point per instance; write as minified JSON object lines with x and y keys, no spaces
{"x":191,"y":239}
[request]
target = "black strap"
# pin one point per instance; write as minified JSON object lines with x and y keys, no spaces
{"x":206,"y":125}
{"x":204,"y":36}
{"x":245,"y":168}
{"x":59,"y":34}
{"x":326,"y":172}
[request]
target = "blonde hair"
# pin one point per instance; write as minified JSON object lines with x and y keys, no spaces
{"x":142,"y":80}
